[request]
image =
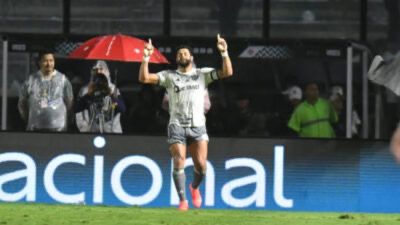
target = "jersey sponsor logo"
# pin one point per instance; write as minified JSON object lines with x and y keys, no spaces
{"x":177,"y":89}
{"x":186,"y":88}
{"x":195,"y":77}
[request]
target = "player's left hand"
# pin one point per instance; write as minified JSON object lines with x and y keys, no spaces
{"x":221,"y":44}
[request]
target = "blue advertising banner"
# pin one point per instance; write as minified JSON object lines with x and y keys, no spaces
{"x":272,"y":174}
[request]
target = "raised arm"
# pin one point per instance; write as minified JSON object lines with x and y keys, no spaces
{"x":226,"y":70}
{"x":144,"y":75}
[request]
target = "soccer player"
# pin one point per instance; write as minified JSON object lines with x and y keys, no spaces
{"x":185,"y":87}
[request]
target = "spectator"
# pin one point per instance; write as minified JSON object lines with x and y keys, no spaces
{"x":294,"y":95}
{"x":100,"y":104}
{"x":385,"y":72}
{"x":46,"y":97}
{"x":314,"y":116}
{"x":278,"y":123}
{"x":337,"y":100}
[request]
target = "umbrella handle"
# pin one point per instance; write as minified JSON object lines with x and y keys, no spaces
{"x":115,"y":76}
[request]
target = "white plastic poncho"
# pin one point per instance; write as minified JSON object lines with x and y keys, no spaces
{"x":86,"y":121}
{"x":44,"y":102}
{"x":388,"y":74}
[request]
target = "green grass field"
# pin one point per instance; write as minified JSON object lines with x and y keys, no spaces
{"x":40,"y":214}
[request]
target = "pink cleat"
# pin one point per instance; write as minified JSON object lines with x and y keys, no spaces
{"x":183,"y":205}
{"x":196,"y":196}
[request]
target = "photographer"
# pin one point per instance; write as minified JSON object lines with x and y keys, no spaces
{"x":103,"y":104}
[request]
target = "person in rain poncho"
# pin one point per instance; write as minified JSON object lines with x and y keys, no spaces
{"x":387,"y":73}
{"x":97,"y":111}
{"x":46,"y":97}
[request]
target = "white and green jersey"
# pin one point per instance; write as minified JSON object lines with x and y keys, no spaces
{"x":186,"y":94}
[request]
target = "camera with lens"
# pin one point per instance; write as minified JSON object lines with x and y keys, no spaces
{"x":100,"y":88}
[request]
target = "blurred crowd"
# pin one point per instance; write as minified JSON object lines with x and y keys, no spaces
{"x":99,"y":106}
{"x":241,"y":114}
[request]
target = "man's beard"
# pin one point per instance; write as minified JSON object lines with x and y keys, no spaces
{"x":184,"y":63}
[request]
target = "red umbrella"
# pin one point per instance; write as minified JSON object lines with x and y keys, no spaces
{"x":116,"y":47}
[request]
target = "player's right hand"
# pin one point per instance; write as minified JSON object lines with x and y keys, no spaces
{"x":221,"y":44}
{"x":148,"y":49}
